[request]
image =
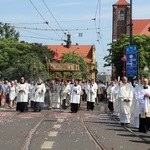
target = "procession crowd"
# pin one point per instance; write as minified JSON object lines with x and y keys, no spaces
{"x":131,"y":104}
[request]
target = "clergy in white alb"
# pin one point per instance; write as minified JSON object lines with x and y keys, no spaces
{"x":125,"y":97}
{"x":39,"y":94}
{"x":22,"y":95}
{"x":144,"y":106}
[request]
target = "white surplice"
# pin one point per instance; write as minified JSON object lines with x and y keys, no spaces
{"x":144,"y":102}
{"x":39,"y":93}
{"x":75,"y":94}
{"x":22,"y":92}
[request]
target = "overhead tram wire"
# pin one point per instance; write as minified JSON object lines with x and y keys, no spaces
{"x":40,"y":38}
{"x":94,"y":19}
{"x":53,"y":16}
{"x":45,"y":29}
{"x":47,"y":23}
{"x":99,"y":18}
{"x":43,"y":36}
{"x":98,"y":32}
{"x":25,"y":23}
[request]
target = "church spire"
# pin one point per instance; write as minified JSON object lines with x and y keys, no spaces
{"x":121,"y":3}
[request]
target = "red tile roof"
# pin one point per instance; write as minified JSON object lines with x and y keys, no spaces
{"x":83,"y":50}
{"x":141,"y":26}
{"x":121,"y":3}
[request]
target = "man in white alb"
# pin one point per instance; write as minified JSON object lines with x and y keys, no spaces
{"x":125,"y":97}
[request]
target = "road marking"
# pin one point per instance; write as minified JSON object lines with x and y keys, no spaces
{"x":52,"y":133}
{"x":26,"y":117}
{"x":47,"y":145}
{"x":60,"y":117}
{"x":57,"y":126}
{"x":60,"y":120}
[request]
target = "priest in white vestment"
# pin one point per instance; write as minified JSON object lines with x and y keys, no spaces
{"x":56,"y":95}
{"x":135,"y":108}
{"x":116,"y":103}
{"x":125,"y":96}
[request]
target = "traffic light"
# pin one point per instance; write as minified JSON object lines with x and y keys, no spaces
{"x":149,"y":29}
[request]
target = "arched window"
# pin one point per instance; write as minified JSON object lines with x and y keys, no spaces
{"x":122,"y":15}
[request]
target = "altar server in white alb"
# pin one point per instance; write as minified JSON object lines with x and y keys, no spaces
{"x":75,"y":96}
{"x":65,"y":94}
{"x":56,"y":95}
{"x":143,"y":99}
{"x":116,"y":104}
{"x":39,"y":93}
{"x":111,"y":96}
{"x":125,"y":97}
{"x":135,"y":107}
{"x":91,"y":92}
{"x":22,"y":95}
{"x":95,"y":86}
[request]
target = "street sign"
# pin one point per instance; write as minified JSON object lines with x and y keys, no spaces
{"x":131,"y":61}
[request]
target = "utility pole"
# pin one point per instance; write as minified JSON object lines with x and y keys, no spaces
{"x":131,"y":24}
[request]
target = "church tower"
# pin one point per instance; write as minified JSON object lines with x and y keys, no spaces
{"x":121,"y":19}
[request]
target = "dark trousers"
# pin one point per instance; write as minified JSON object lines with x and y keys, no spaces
{"x":144,"y":125}
{"x":74,"y":107}
{"x":110,"y":106}
{"x":90,"y":105}
{"x":84,"y":96}
{"x":22,"y":106}
{"x":64,"y":104}
{"x":37,"y":106}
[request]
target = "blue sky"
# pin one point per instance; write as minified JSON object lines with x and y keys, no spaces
{"x":73,"y":15}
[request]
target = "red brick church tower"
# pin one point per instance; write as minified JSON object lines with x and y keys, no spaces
{"x":121,"y":24}
{"x":121,"y":19}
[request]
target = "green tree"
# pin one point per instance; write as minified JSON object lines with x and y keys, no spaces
{"x":7,"y":31}
{"x":142,"y":42}
{"x":22,"y":59}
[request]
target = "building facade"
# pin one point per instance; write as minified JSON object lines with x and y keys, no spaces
{"x":86,"y":51}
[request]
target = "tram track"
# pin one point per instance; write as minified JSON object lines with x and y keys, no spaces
{"x":129,"y":130}
{"x":125,"y":127}
{"x":28,"y":140}
{"x":101,"y":146}
{"x":91,"y":134}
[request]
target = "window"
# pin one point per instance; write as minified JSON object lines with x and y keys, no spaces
{"x":122,"y":15}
